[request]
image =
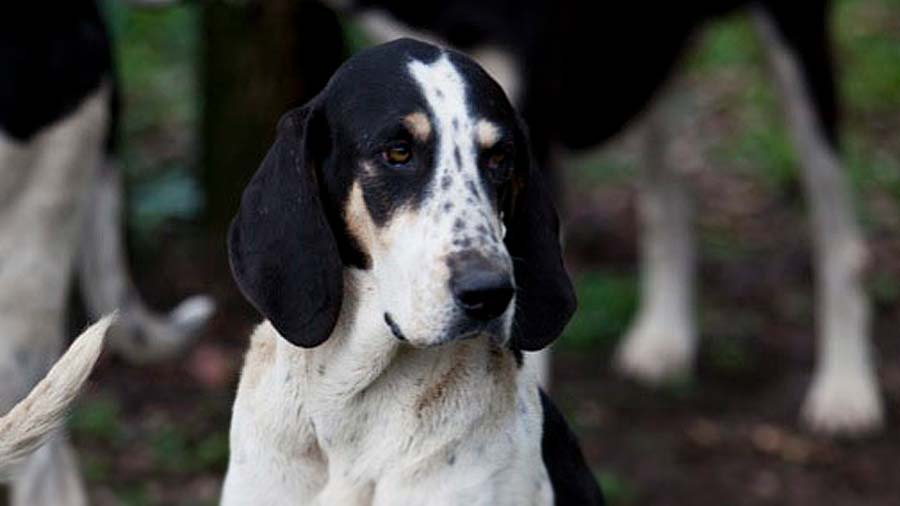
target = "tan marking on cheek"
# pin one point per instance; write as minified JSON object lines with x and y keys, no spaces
{"x":359,"y":222}
{"x":419,"y":124}
{"x":487,"y":133}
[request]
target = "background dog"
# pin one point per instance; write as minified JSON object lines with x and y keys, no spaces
{"x":60,"y":195}
{"x":547,"y":55}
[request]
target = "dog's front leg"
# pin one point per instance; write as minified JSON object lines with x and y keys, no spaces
{"x":662,"y":341}
{"x":844,"y":396}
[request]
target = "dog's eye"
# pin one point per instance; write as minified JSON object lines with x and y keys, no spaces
{"x":498,"y":160}
{"x":398,"y":153}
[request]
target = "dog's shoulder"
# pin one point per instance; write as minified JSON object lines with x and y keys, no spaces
{"x":572,"y":480}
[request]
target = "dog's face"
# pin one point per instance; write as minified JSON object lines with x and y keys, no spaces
{"x":412,"y":165}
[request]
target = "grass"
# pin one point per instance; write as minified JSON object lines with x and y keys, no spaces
{"x":618,"y":490}
{"x":607,"y":302}
{"x":156,"y":53}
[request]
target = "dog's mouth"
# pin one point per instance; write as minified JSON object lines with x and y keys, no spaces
{"x":395,"y":329}
{"x":462,"y":331}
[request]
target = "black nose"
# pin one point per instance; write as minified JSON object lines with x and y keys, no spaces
{"x":481,"y":289}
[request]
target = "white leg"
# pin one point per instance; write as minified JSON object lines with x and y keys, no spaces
{"x":50,"y":478}
{"x":844,"y":396}
{"x":662,"y":340}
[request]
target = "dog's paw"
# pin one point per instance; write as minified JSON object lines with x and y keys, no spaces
{"x":654,"y":355}
{"x":845,"y":403}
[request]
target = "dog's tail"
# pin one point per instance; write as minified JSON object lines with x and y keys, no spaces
{"x":28,"y":425}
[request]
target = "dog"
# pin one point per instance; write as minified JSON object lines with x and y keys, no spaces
{"x":60,"y":212}
{"x":580,"y":71}
{"x":401,"y":244}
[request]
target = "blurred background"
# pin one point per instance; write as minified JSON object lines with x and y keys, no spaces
{"x":202,"y":84}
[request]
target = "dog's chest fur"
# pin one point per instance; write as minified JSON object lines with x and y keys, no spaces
{"x":364,"y":420}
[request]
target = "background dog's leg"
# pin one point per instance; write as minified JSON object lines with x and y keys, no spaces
{"x":140,"y":335}
{"x":50,"y":478}
{"x":42,"y":192}
{"x":662,"y":340}
{"x":844,"y":395}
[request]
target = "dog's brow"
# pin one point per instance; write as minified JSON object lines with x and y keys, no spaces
{"x":419,"y":124}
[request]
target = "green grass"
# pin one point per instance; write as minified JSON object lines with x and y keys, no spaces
{"x":156,"y":54}
{"x":600,"y":169}
{"x":726,"y":43}
{"x":176,"y":452}
{"x":617,"y":489}
{"x":867,"y":35}
{"x":98,"y":418}
{"x":606,"y":304}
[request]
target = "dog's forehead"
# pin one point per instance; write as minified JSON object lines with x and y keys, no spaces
{"x":388,"y":82}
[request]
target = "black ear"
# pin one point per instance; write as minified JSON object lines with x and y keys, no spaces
{"x":545,"y":299}
{"x":283,"y":253}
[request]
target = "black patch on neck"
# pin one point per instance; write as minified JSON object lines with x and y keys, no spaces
{"x":572,"y":480}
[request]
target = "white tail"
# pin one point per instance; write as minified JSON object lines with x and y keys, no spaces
{"x":28,"y":425}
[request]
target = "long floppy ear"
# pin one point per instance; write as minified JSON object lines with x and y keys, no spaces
{"x":545,"y":299}
{"x":283,"y":253}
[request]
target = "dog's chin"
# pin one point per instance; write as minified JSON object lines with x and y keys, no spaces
{"x":494,"y":331}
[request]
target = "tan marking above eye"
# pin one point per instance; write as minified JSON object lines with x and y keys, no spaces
{"x":419,"y":125}
{"x":487,"y":133}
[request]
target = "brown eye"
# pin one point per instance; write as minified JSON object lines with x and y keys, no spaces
{"x":399,"y":153}
{"x":496,"y":160}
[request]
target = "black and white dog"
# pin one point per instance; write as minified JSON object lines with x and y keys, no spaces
{"x":60,"y":193}
{"x":581,"y":70}
{"x":401,"y":243}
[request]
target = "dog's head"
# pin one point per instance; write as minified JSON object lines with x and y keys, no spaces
{"x":413,"y":166}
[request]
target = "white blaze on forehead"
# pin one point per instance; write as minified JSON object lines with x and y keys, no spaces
{"x":445,"y":92}
{"x":457,"y":179}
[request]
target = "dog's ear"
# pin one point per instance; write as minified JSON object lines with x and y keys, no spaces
{"x":282,"y":251}
{"x":545,"y":299}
